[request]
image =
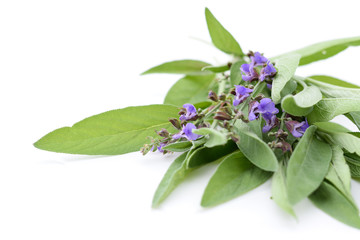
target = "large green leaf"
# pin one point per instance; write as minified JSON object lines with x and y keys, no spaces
{"x":172,"y":178}
{"x":257,"y":151}
{"x":302,"y":103}
{"x":220,"y":37}
{"x":333,"y":81}
{"x":110,"y":133}
{"x":328,"y":108}
{"x":179,"y":67}
{"x":190,"y":89}
{"x":333,"y":91}
{"x":323,"y":50}
{"x":234,"y":177}
{"x":333,"y":202}
{"x":204,"y":155}
{"x":348,"y":141}
{"x":286,"y":67}
{"x":279,"y":191}
{"x":214,"y":137}
{"x":308,"y":166}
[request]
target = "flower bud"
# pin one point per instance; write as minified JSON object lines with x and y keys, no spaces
{"x":163,"y":133}
{"x":213,"y":96}
{"x":175,"y":122}
{"x":222,"y":116}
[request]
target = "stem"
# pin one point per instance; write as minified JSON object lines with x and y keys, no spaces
{"x":300,"y":80}
{"x":282,"y":120}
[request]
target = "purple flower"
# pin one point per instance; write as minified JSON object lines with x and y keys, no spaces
{"x":258,"y":59}
{"x":161,"y":146}
{"x":249,"y":72}
{"x":297,"y":129}
{"x":270,"y":121}
{"x":241,"y":94}
{"x":266,"y":105}
{"x":267,"y":71}
{"x":190,"y":112}
{"x":187,"y":133}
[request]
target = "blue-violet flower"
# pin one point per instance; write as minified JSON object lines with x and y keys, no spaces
{"x":297,"y":129}
{"x":242,"y":93}
{"x":190,"y":113}
{"x":249,"y":72}
{"x":187,"y":133}
{"x":267,"y":71}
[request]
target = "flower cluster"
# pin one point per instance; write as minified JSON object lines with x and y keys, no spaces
{"x":258,"y":63}
{"x":266,"y":107}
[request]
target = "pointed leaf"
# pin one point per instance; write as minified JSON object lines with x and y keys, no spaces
{"x":220,"y":37}
{"x":289,"y":88}
{"x":214,"y":137}
{"x":234,"y":177}
{"x":182,"y":146}
{"x":323,"y":50}
{"x":333,"y":91}
{"x":190,"y":89}
{"x":307,"y":166}
{"x":328,"y":108}
{"x":179,"y":67}
{"x":286,"y":67}
{"x":354,"y":117}
{"x":302,"y":103}
{"x":334,"y":203}
{"x":110,"y":133}
{"x":216,"y":69}
{"x":333,"y":81}
{"x":346,"y":140}
{"x":331,"y":127}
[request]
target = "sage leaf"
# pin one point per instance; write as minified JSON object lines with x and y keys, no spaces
{"x":214,"y":137}
{"x":234,"y":176}
{"x":286,"y":67}
{"x":110,"y":133}
{"x":172,"y":178}
{"x":339,"y":172}
{"x":204,"y":155}
{"x":182,"y":146}
{"x":333,"y":91}
{"x":289,"y":88}
{"x":187,"y":67}
{"x":323,"y":50}
{"x":220,"y":37}
{"x":333,"y":202}
{"x":328,"y":108}
{"x":353,"y":162}
{"x":279,"y":191}
{"x":190,"y":89}
{"x":333,"y":81}
{"x":354,"y":117}
{"x":216,"y":69}
{"x":257,"y":151}
{"x":235,"y":73}
{"x":346,"y":140}
{"x":331,"y":127}
{"x":302,"y":103}
{"x":307,"y":166}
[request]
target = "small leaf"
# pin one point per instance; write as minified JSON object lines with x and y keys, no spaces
{"x":334,"y":203}
{"x":278,"y":190}
{"x":346,"y":140}
{"x":307,"y":166}
{"x":328,"y":108}
{"x":286,"y":67}
{"x":220,"y":37}
{"x":190,"y":89}
{"x":214,"y":137}
{"x":182,"y":146}
{"x":289,"y":88}
{"x":323,"y":50}
{"x":216,"y":69}
{"x":235,"y":73}
{"x":333,"y":91}
{"x":234,"y":177}
{"x":204,"y":155}
{"x":172,"y":178}
{"x":110,"y":133}
{"x":333,"y":81}
{"x":302,"y":103}
{"x":179,"y":67}
{"x":354,"y":117}
{"x":257,"y":151}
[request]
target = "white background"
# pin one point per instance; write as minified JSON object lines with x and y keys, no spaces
{"x":62,"y":61}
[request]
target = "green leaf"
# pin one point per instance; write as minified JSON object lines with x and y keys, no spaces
{"x":348,"y":141}
{"x":214,"y":137}
{"x":354,"y":117}
{"x":289,"y":88}
{"x":257,"y":151}
{"x":172,"y":178}
{"x":328,"y":108}
{"x":323,"y":50}
{"x":220,"y":37}
{"x":333,"y":91}
{"x":179,"y":67}
{"x":235,"y":73}
{"x":302,"y":103}
{"x":204,"y":155}
{"x":339,"y":172}
{"x":353,"y":162}
{"x":216,"y":69}
{"x":190,"y":89}
{"x":307,"y":167}
{"x":331,"y":127}
{"x":279,"y":191}
{"x":286,"y":67}
{"x":110,"y":133}
{"x":182,"y":146}
{"x":234,"y":177}
{"x":333,"y":81}
{"x":334,"y":203}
